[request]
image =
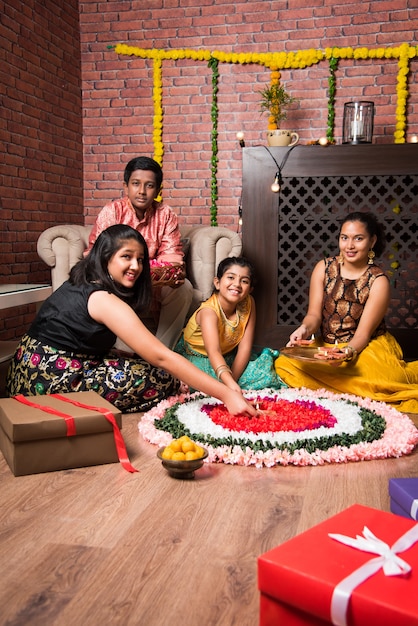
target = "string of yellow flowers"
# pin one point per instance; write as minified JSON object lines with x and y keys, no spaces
{"x":405,"y":53}
{"x":282,"y":60}
{"x":157,"y":97}
{"x":154,"y":53}
{"x":274,"y":80}
{"x":277,"y":61}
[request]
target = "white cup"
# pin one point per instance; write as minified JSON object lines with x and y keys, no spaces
{"x":280,"y":138}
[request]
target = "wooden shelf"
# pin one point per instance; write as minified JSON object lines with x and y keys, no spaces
{"x":348,"y":160}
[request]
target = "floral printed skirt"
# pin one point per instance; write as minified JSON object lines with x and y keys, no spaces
{"x":129,"y":383}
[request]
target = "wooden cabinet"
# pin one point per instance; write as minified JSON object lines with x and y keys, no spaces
{"x":286,"y":233}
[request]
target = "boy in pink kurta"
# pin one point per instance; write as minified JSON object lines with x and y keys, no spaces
{"x":158,"y":225}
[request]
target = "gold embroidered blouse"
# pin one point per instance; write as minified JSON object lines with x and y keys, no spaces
{"x":344,"y":302}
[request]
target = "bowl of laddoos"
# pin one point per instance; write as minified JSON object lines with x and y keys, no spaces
{"x":182,"y":457}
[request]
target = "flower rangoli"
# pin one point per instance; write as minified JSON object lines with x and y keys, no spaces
{"x":295,"y":426}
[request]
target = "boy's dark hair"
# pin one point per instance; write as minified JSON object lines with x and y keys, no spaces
{"x":144,"y":163}
{"x":373,"y":227}
{"x":93,"y":268}
{"x":225,"y":264}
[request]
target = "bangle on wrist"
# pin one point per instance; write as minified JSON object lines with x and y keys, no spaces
{"x":350,"y":353}
{"x":220,"y":370}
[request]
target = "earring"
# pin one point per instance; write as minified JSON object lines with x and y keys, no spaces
{"x":371,"y":256}
{"x":340,"y":259}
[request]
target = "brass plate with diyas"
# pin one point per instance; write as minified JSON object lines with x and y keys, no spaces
{"x":306,"y":353}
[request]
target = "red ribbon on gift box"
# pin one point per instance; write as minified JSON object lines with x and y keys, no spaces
{"x":71,"y":429}
{"x":69,"y":419}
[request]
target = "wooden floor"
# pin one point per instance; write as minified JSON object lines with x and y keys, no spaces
{"x":99,"y":546}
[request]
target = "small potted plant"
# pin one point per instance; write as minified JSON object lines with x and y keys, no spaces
{"x":275,"y":101}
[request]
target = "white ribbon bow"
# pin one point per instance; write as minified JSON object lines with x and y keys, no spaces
{"x":392,"y":565}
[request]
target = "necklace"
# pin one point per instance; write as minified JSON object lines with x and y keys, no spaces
{"x":232,"y":324}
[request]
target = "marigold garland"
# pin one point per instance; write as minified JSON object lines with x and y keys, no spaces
{"x":274,"y":61}
{"x":274,"y":80}
{"x":402,"y":93}
{"x":157,"y":97}
{"x":295,"y":60}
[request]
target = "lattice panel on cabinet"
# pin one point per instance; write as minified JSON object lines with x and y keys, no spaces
{"x":309,"y":213}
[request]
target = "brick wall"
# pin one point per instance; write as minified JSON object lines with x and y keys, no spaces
{"x":41,"y":137}
{"x":117,"y":90}
{"x":64,"y":156}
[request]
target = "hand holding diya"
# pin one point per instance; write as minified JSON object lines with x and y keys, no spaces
{"x":308,"y":350}
{"x":336,"y":355}
{"x":330,"y":354}
{"x":303,"y":342}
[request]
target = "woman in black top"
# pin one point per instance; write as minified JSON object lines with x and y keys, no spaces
{"x":68,"y":347}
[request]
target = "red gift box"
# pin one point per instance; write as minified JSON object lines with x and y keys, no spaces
{"x":298,"y":578}
{"x":274,"y":613}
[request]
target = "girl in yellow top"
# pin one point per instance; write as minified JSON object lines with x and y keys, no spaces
{"x":219,"y":336}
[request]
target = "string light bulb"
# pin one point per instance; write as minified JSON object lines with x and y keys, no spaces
{"x":240,"y":213}
{"x":278,"y":181}
{"x":323,"y":141}
{"x":275,"y":187}
{"x":414,"y":139}
{"x":240,"y":137}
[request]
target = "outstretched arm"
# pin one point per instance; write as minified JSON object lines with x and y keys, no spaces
{"x":108,"y":309}
{"x":312,"y":320}
{"x":208,"y":322}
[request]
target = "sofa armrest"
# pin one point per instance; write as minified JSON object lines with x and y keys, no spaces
{"x":208,"y":246}
{"x":61,"y":247}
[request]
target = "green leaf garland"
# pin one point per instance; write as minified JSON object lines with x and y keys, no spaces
{"x":214,"y":114}
{"x":332,"y":88}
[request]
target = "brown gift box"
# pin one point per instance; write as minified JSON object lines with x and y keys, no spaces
{"x":33,"y":441}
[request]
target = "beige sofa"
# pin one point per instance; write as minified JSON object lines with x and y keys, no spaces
{"x":63,"y":245}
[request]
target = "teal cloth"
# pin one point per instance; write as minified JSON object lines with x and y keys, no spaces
{"x":259,"y":373}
